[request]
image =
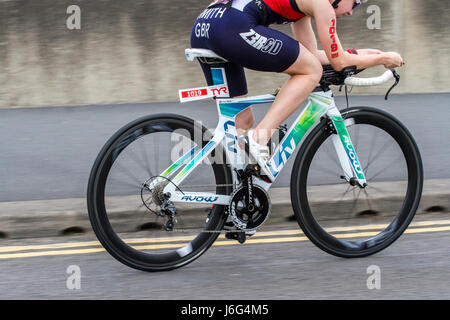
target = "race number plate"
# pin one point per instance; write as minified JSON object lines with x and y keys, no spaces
{"x":220,"y":91}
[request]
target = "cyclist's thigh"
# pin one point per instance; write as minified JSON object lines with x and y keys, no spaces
{"x":306,"y":63}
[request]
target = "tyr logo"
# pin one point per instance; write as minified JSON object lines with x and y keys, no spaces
{"x":219,"y":90}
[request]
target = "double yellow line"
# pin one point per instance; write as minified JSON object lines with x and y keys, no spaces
{"x":74,"y":248}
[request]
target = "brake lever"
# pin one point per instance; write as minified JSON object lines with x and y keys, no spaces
{"x":397,"y":80}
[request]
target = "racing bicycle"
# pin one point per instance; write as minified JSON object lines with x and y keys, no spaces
{"x":164,"y":188}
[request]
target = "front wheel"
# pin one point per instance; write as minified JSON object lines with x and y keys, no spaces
{"x":344,"y":219}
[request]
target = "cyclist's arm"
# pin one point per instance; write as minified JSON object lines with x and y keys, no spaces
{"x":326,"y":28}
{"x":369,"y":51}
{"x":304,"y":34}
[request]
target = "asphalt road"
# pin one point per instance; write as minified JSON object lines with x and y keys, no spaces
{"x":47,"y":153}
{"x":414,"y":267}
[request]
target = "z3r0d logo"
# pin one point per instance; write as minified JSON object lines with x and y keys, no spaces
{"x":259,"y":42}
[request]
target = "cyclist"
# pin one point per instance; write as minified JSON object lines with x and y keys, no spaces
{"x":238,"y":31}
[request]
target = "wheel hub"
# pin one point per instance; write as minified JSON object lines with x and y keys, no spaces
{"x":153,"y":198}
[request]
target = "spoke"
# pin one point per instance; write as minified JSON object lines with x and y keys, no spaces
{"x":144,"y":214}
{"x":372,"y":146}
{"x":382,"y":170}
{"x":142,"y":205}
{"x":321,"y":168}
{"x":367,"y":198}
{"x":355,"y":144}
{"x":345,"y":192}
{"x":129,"y":184}
{"x":122,"y":169}
{"x":145,"y":201}
{"x":136,"y":161}
{"x":146,"y":160}
{"x":383,"y":148}
{"x":330,"y":155}
{"x":375,"y":188}
{"x":156,"y":155}
{"x":354,"y":202}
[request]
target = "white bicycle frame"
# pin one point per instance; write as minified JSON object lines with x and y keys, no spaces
{"x":320,"y":104}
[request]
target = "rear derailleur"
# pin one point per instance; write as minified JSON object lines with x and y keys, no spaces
{"x":158,"y":203}
{"x":168,"y":210}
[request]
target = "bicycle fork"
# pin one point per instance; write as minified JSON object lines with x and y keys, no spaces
{"x":345,"y":150}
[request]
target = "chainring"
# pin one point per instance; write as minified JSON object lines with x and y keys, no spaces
{"x":249,"y":219}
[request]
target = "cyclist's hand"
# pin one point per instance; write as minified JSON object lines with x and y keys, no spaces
{"x":392,"y":60}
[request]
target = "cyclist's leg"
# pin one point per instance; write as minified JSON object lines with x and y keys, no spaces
{"x":305,"y":74}
{"x":264,"y":49}
{"x":239,"y":38}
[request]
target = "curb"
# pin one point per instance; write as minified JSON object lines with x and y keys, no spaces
{"x":50,"y":218}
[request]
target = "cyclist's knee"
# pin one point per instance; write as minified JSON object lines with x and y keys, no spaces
{"x":314,"y":68}
{"x":313,"y":71}
{"x":317,"y":72}
{"x":306,"y":64}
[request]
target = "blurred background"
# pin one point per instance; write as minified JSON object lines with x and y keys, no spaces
{"x":133,"y":51}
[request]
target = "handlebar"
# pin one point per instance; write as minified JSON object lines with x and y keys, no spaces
{"x":385,"y":77}
{"x":346,"y":77}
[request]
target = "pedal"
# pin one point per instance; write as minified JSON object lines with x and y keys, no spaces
{"x":239,"y":236}
{"x":255,"y":170}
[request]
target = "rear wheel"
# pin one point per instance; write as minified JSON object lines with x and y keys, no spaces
{"x":344,"y":219}
{"x":125,"y":212}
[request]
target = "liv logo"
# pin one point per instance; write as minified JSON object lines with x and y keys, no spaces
{"x":199,"y":199}
{"x":282,"y":157}
{"x":351,"y":153}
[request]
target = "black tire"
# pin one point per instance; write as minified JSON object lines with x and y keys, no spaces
{"x":98,"y":214}
{"x":308,"y":218}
